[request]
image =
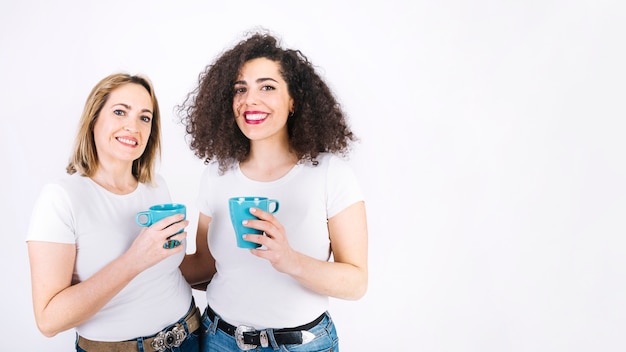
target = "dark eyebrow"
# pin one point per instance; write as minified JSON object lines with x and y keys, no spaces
{"x":129,"y":107}
{"x":259,"y":80}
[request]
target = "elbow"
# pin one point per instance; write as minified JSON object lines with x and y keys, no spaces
{"x":46,"y":329}
{"x":48,"y":334}
{"x":359,"y":292}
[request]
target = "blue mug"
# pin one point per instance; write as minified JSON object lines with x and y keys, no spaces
{"x":158,"y":212}
{"x":240,"y":210}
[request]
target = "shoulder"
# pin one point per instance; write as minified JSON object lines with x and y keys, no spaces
{"x":330,"y":159}
{"x":158,"y":182}
{"x":212,"y":169}
{"x":333,"y":163}
{"x":71,"y":185}
{"x":63,"y":192}
{"x":157,"y":188}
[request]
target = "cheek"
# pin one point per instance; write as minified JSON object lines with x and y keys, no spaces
{"x":145,"y":133}
{"x":98,"y":134}
{"x":236,"y":106}
{"x":240,"y":122}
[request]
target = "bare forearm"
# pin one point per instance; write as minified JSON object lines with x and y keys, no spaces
{"x":77,"y":303}
{"x":197,"y":269}
{"x":346,"y":277}
{"x":338,"y":280}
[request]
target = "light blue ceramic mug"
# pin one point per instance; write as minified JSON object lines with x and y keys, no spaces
{"x":240,"y":211}
{"x":158,"y":212}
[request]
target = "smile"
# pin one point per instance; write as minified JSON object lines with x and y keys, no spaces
{"x":128,"y":141}
{"x":255,"y":118}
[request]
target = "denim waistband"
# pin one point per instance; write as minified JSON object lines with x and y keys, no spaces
{"x":154,"y":343}
{"x":247,"y":337}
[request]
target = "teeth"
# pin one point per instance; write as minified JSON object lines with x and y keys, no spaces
{"x":127,"y":141}
{"x":255,"y":116}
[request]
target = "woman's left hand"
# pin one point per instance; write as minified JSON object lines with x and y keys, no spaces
{"x":344,"y":277}
{"x":277,"y":249}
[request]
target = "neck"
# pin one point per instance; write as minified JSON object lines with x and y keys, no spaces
{"x":118,"y":180}
{"x":268,"y":162}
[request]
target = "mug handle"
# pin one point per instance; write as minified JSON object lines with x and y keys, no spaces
{"x":145,"y":214}
{"x":276,"y":205}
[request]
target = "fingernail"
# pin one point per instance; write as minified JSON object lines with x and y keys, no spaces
{"x":253,"y":210}
{"x":245,"y":222}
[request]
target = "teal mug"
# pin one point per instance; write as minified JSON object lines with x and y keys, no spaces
{"x":240,"y":210}
{"x":158,"y":212}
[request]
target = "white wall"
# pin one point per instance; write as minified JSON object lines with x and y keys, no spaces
{"x":492,"y":152}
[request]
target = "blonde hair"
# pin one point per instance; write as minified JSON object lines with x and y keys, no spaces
{"x":84,"y":158}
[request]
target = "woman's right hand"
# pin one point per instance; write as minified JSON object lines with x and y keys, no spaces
{"x":148,"y":248}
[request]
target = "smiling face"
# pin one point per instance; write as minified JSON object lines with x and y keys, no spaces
{"x":123,"y":126}
{"x":262,"y":102}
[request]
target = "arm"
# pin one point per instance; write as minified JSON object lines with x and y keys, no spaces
{"x":60,"y":304}
{"x":346,"y":277}
{"x":198,"y":268}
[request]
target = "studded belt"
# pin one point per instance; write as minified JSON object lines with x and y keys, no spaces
{"x":172,"y":336}
{"x":248,"y":337}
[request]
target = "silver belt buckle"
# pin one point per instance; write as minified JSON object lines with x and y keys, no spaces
{"x":239,"y":337}
{"x":169,"y":339}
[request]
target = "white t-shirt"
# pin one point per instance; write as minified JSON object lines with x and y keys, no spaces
{"x":248,"y":290}
{"x":76,"y":210}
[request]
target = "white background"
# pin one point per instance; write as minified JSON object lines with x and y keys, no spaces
{"x":491,"y":154}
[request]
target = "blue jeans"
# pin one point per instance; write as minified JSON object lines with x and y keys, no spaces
{"x":214,"y":339}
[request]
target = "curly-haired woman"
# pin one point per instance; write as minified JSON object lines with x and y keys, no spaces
{"x":268,"y":125}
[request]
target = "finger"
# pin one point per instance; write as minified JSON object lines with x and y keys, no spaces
{"x":176,"y":228}
{"x":174,"y":241}
{"x":259,"y":239}
{"x":261,"y":214}
{"x":168,"y":221}
{"x":271,"y":230}
{"x":178,"y":236}
{"x":267,"y":221}
{"x":171,"y":243}
{"x":255,"y":224}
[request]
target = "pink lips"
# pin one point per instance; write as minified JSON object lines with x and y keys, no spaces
{"x":255,"y":117}
{"x":129,"y":141}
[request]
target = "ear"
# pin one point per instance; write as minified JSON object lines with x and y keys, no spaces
{"x":291,"y":106}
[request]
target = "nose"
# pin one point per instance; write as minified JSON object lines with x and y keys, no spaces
{"x":131,"y":126}
{"x":250,"y":97}
{"x":247,"y":99}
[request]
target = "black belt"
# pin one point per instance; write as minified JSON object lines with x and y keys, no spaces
{"x":248,"y":337}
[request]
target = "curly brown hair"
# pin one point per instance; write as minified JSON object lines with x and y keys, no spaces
{"x":318,"y":123}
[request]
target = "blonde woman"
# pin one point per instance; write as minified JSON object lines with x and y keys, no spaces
{"x":92,"y":267}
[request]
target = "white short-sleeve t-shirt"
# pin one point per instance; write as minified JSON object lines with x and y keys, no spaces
{"x":247,"y":289}
{"x":76,"y":210}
